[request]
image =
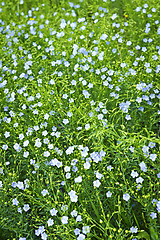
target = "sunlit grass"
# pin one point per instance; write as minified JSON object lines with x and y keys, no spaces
{"x":79,"y":125}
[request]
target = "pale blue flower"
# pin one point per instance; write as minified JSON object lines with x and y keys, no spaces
{"x":134,"y":230}
{"x":126,"y":197}
{"x":153,"y":215}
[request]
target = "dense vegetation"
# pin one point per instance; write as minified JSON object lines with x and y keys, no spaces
{"x":79,"y":119}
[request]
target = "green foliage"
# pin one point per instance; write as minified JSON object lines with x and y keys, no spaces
{"x":79,"y":120}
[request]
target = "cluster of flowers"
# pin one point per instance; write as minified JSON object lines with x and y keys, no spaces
{"x":78,"y":124}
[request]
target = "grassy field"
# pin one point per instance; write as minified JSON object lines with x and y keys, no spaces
{"x":79,"y":120}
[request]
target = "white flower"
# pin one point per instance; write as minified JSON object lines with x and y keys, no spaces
{"x":67,"y":169}
{"x":59,"y":164}
{"x":109,"y":168}
{"x":44,"y":133}
{"x":153,"y":215}
{"x":15,"y":201}
{"x":44,"y":236}
{"x":65,"y":121}
{"x":86,"y":165}
{"x":1,"y":184}
{"x":53,"y":212}
{"x":78,"y":218}
{"x":143,"y":167}
{"x":7,"y":134}
{"x":84,"y":153}
{"x":74,"y":213}
{"x":46,"y":116}
{"x":26,"y":154}
{"x":5,"y":147}
{"x":139,"y":180}
{"x":114,"y":16}
{"x":44,"y":192}
{"x":38,"y":143}
{"x":50,"y":146}
{"x":128,"y":117}
{"x":36,"y":128}
{"x":73,"y":196}
{"x":100,"y":116}
{"x":69,"y":114}
{"x":99,"y":175}
{"x":68,"y":175}
{"x":20,"y":185}
{"x":70,"y":150}
{"x":108,"y":194}
{"x":104,"y":36}
{"x":46,"y":154}
{"x":53,"y":162}
{"x":65,"y":96}
{"x":134,"y":174}
{"x":64,"y":208}
{"x":85,"y":229}
{"x":19,"y":210}
{"x":39,"y":231}
{"x":126,"y":197}
{"x":145,"y":149}
{"x":21,"y":136}
{"x":78,"y":179}
{"x":26,"y":207}
{"x":17,"y":147}
{"x":90,"y":85}
{"x":64,"y":220}
{"x":77,"y":231}
{"x":52,"y":82}
{"x":25,"y":144}
{"x":81,"y":237}
{"x":86,"y":93}
{"x":134,"y":230}
{"x":50,"y":222}
{"x":96,"y":183}
{"x":87,"y":126}
{"x":153,"y":157}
